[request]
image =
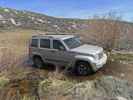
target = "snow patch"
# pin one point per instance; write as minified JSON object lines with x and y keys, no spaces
{"x":6,"y":10}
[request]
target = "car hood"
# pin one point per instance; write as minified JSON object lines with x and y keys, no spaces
{"x":88,"y":49}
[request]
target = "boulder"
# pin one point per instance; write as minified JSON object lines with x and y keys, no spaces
{"x":54,"y":87}
{"x":104,"y":88}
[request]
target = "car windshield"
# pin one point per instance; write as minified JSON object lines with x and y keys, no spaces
{"x":72,"y":42}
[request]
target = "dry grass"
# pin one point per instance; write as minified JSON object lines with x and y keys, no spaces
{"x":14,"y":49}
{"x":16,"y":40}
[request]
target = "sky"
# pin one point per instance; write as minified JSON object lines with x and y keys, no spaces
{"x":83,"y":9}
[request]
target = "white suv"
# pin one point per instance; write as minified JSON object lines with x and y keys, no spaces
{"x":67,"y":51}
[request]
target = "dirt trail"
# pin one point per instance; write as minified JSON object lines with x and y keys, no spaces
{"x":27,"y":84}
{"x":116,"y":69}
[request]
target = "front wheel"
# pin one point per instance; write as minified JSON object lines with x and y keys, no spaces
{"x":83,"y":69}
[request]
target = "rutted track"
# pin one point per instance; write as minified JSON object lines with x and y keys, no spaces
{"x":116,"y":69}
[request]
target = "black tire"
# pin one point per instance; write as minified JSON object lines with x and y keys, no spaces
{"x":83,"y":69}
{"x":38,"y":62}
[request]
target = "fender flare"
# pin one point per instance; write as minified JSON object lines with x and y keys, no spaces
{"x":88,"y":59}
{"x":37,"y":54}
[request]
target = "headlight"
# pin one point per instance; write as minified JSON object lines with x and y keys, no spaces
{"x":100,"y":55}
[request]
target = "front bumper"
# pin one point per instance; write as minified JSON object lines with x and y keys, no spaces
{"x":99,"y":64}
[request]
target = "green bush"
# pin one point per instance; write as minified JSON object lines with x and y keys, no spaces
{"x":3,"y":82}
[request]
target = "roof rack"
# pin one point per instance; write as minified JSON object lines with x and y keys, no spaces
{"x":37,"y":35}
{"x":57,"y":34}
{"x":49,"y":34}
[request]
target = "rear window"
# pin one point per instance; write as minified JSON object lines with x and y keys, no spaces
{"x":34,"y":43}
{"x":45,"y":43}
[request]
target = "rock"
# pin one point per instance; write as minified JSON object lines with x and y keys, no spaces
{"x":57,"y":85}
{"x":122,"y":75}
{"x":54,"y":88}
{"x":55,"y":26}
{"x":103,"y":87}
{"x":13,"y":21}
{"x":108,"y":98}
{"x":40,"y":20}
{"x":112,"y":60}
{"x":1,"y":17}
{"x":121,"y":98}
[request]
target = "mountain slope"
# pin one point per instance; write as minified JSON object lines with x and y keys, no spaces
{"x":11,"y":18}
{"x":93,"y":31}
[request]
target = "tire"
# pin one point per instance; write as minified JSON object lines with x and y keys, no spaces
{"x":38,"y":62}
{"x":83,"y":69}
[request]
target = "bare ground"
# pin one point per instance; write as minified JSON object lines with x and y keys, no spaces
{"x":123,"y":71}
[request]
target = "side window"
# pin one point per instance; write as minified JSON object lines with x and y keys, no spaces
{"x":58,"y":45}
{"x":34,"y":43}
{"x":44,"y":43}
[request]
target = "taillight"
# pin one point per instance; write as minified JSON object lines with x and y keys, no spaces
{"x":29,"y":48}
{"x":29,"y":51}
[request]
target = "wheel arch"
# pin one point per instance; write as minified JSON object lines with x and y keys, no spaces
{"x":36,"y":55}
{"x":82,"y":60}
{"x":79,"y":61}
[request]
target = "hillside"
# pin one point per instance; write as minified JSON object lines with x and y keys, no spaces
{"x":94,"y":31}
{"x":11,"y":18}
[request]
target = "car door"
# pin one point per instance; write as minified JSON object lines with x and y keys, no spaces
{"x":59,"y":54}
{"x":44,"y":48}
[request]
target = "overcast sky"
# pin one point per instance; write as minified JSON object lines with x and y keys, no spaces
{"x":74,"y":8}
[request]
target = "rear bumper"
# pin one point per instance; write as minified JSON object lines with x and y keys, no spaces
{"x":100,"y":63}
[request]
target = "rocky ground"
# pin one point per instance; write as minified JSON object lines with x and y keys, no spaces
{"x":112,"y":82}
{"x":108,"y":88}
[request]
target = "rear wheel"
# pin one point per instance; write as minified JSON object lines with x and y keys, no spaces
{"x":83,"y":68}
{"x":38,"y":62}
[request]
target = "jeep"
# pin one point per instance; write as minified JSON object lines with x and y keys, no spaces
{"x":67,"y":51}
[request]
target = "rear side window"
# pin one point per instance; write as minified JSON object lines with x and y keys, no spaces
{"x":34,"y":43}
{"x":44,"y":43}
